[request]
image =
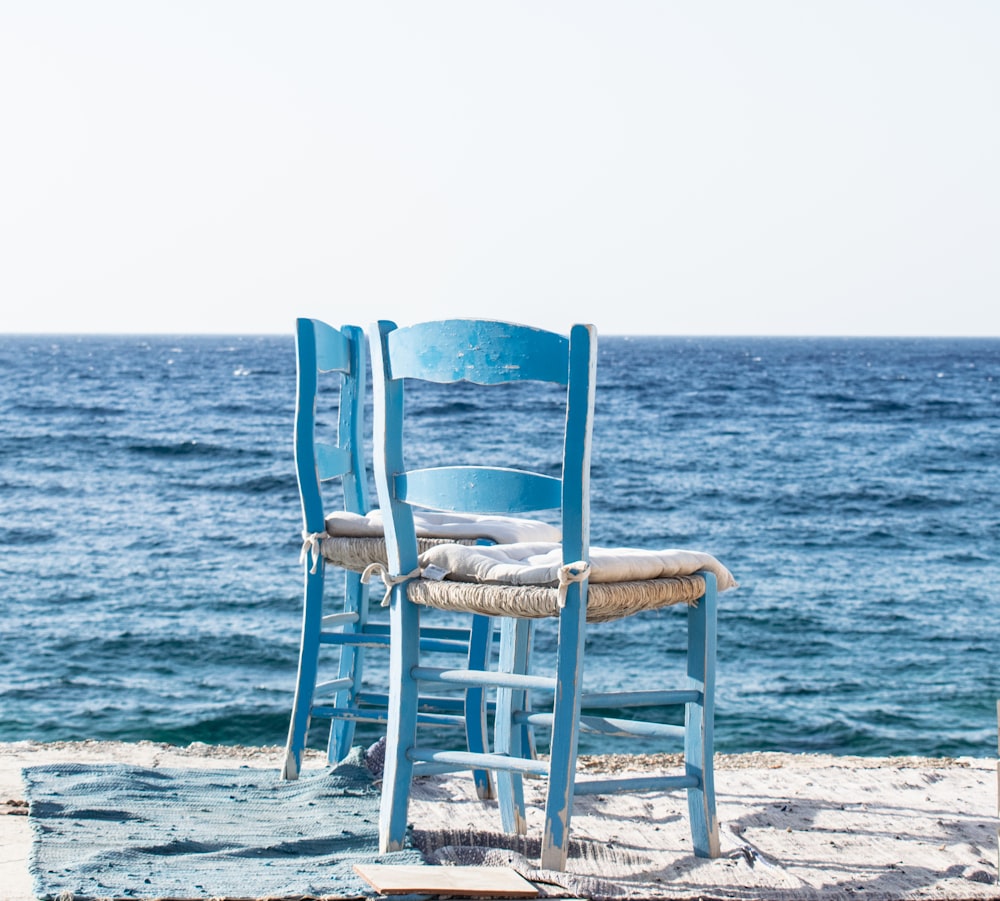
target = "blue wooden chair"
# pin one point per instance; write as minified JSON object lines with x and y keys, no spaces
{"x":352,"y":539}
{"x":567,"y":580}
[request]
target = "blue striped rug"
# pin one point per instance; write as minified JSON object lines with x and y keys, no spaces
{"x":118,"y":831}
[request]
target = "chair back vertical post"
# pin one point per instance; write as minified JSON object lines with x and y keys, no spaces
{"x":580,"y":400}
{"x":404,"y":618}
{"x":387,"y":455}
{"x":321,"y":348}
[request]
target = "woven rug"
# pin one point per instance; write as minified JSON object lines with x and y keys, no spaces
{"x":119,"y":831}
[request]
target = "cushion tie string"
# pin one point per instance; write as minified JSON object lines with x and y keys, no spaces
{"x":312,"y":546}
{"x":377,"y":569}
{"x":569,"y":573}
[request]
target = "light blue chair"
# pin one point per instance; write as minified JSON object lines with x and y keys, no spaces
{"x":320,"y":349}
{"x":519,"y":583}
{"x":347,"y":540}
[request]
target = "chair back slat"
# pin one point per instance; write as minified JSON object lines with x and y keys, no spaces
{"x":332,"y":461}
{"x":493,"y":352}
{"x":479,"y":489}
{"x":333,"y":347}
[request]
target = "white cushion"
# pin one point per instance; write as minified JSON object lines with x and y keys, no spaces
{"x":429,"y":524}
{"x":539,"y":563}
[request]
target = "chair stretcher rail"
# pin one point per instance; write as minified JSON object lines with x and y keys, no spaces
{"x":469,"y":760}
{"x":480,"y":677}
{"x":608,"y":725}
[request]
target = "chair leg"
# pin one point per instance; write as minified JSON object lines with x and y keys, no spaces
{"x":528,"y":749}
{"x":565,"y":731}
{"x":401,"y":733}
{"x":699,"y":751}
{"x":476,"y":726}
{"x":515,"y":637}
{"x":312,"y":620}
{"x":351,"y":667}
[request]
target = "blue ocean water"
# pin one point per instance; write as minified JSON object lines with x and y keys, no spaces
{"x":149,"y":532}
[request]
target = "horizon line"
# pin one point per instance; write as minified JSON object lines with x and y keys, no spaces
{"x":629,"y":335}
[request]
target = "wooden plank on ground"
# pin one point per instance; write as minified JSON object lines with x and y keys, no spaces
{"x":469,"y":882}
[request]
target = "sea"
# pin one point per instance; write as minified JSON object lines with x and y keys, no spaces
{"x":151,"y":589}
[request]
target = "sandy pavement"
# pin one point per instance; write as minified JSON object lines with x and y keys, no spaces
{"x":792,"y":826}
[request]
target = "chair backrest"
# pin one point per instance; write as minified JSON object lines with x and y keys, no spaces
{"x":483,"y":352}
{"x":321,"y":348}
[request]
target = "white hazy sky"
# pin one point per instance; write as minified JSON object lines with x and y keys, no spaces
{"x":652,"y":167}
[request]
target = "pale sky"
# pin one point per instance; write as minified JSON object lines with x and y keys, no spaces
{"x":206,"y":166}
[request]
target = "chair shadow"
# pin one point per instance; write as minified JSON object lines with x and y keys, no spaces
{"x":757,"y":870}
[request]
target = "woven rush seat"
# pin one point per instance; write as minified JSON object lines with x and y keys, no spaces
{"x":353,"y":541}
{"x":606,"y":601}
{"x":528,"y":580}
{"x":357,"y":554}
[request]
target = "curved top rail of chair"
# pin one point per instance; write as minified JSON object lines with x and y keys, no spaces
{"x":497,"y":352}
